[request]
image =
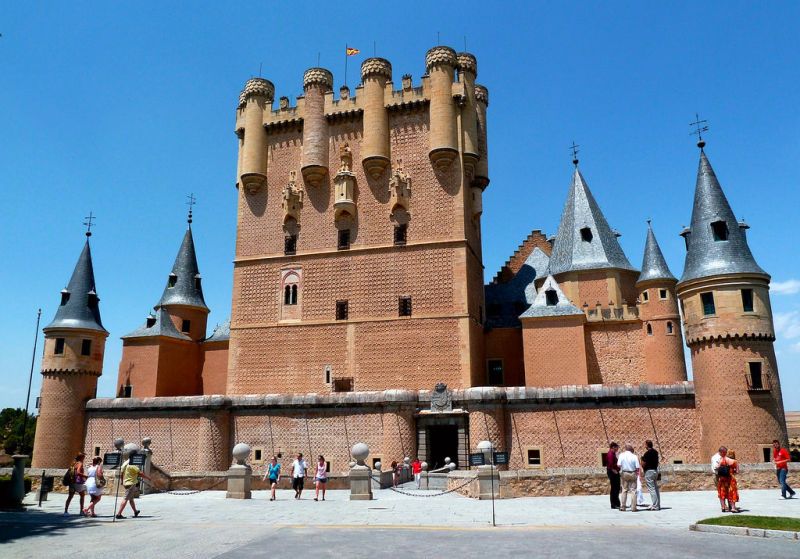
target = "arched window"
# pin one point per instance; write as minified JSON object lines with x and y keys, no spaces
{"x":287,"y":295}
{"x":291,"y":288}
{"x":669,"y":328}
{"x":649,"y":329}
{"x":293,"y":300}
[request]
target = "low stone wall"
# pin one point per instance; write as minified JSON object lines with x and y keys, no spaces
{"x":594,"y":481}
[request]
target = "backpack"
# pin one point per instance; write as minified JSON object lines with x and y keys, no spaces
{"x":69,"y":477}
{"x":724,"y":470}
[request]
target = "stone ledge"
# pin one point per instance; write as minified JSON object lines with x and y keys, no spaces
{"x":741,"y":531}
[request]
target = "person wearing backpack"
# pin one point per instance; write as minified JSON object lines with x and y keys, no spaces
{"x":75,"y":479}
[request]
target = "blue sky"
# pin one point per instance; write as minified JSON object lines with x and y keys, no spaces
{"x":125,"y":109}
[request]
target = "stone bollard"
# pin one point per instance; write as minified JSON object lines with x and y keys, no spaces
{"x":18,"y":479}
{"x":488,"y":476}
{"x":360,"y":474}
{"x":240,"y":474}
{"x":148,"y":461}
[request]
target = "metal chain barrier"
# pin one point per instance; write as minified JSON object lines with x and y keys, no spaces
{"x":183,"y":492}
{"x":445,"y":492}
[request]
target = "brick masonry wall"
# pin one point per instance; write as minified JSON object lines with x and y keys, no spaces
{"x":139,"y":367}
{"x":731,"y":416}
{"x":614,"y":352}
{"x":554,"y":351}
{"x":506,"y":344}
{"x":214,"y":375}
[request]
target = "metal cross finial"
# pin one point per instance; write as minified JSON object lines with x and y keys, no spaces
{"x":88,"y":223}
{"x":192,"y":201}
{"x":700,"y":127}
{"x":574,"y":147}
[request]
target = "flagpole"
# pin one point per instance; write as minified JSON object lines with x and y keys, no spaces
{"x":345,"y":64}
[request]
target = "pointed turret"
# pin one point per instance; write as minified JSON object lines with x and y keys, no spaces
{"x":584,"y":240}
{"x":184,"y":283}
{"x":80,"y":305}
{"x":654,"y":267}
{"x":715,"y":243}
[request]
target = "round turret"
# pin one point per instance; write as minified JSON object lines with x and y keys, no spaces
{"x":257,"y":87}
{"x":467,"y":63}
{"x":467,"y":70}
{"x":317,"y":82}
{"x":481,"y":178}
{"x":255,"y":98}
{"x":375,"y":72}
{"x":440,"y":62}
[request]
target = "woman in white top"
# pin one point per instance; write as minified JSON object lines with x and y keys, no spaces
{"x":94,"y":484}
{"x":320,"y":477}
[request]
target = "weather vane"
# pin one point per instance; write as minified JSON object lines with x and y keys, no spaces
{"x":700,"y":127}
{"x":574,"y":148}
{"x":192,"y":201}
{"x":88,"y":223}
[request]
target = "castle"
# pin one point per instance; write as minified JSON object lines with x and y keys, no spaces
{"x":359,"y":311}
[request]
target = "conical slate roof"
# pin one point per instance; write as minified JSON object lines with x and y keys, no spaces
{"x":504,"y":301}
{"x":187,"y":289}
{"x":706,"y":256}
{"x":540,"y":307}
{"x":596,"y":249}
{"x":654,"y":267}
{"x":159,"y":324}
{"x":80,"y":305}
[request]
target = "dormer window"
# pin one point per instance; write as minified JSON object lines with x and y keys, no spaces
{"x":186,"y":326}
{"x":586,"y":235}
{"x":151,"y":321}
{"x":64,"y":297}
{"x":720,"y":230}
{"x":92,"y":299}
{"x":173,"y":279}
{"x":551,"y":297}
{"x":198,"y":281}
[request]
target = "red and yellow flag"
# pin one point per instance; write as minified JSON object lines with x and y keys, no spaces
{"x":350,"y":51}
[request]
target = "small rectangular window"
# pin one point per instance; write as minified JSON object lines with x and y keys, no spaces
{"x":645,"y":296}
{"x":86,"y":347}
{"x":96,"y":451}
{"x":534,"y":457}
{"x":494,"y":372}
{"x":720,"y":230}
{"x":400,"y":234}
{"x":327,"y":374}
{"x":59,"y":349}
{"x":257,"y":455}
{"x":662,"y":294}
{"x":198,"y":282}
{"x":755,"y":378}
{"x":677,"y":461}
{"x":290,"y":244}
{"x":586,"y":235}
{"x":343,"y":384}
{"x":551,"y":297}
{"x":747,"y":300}
{"x":404,"y":306}
{"x":127,"y":391}
{"x":186,"y":326}
{"x":344,"y":239}
{"x":766,"y":453}
{"x":708,"y":303}
{"x":173,"y":279}
{"x":341,"y":310}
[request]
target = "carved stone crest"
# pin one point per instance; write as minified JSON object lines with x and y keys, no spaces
{"x":441,"y":398}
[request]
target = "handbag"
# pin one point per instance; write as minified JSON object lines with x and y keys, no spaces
{"x":100,"y":480}
{"x":68,"y":478}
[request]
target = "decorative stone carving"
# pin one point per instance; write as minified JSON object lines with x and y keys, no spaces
{"x":441,"y":398}
{"x":292,"y":199}
{"x":344,"y":93}
{"x":257,"y":87}
{"x":283,"y":103}
{"x":345,"y":183}
{"x":440,"y":55}
{"x":467,"y":63}
{"x":240,"y":453}
{"x":407,"y":83}
{"x":399,"y":188}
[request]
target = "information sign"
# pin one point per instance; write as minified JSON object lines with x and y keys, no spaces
{"x":476,"y":459}
{"x":501,"y":458}
{"x":111,"y":459}
{"x":138,"y":460}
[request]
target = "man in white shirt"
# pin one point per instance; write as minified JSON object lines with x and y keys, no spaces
{"x":629,"y":468}
{"x":299,"y":467}
{"x":715,"y":460}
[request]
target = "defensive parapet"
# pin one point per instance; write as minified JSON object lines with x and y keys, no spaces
{"x":375,"y":73}
{"x":316,"y":83}
{"x":254,"y":100}
{"x":440,"y":63}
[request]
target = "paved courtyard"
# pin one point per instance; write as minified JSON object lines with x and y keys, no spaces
{"x":208,"y":525}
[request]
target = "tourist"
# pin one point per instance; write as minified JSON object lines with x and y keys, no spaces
{"x":734,"y":485}
{"x":650,"y":467}
{"x":299,"y":467}
{"x":629,"y":467}
{"x":780,"y":456}
{"x":274,"y":474}
{"x":727,"y":489}
{"x":416,"y":469}
{"x":77,"y":483}
{"x":715,"y":460}
{"x":612,"y":470}
{"x":95,"y":482}
{"x":130,"y":481}
{"x":320,"y":477}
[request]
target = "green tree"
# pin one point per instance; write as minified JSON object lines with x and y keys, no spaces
{"x":11,"y":420}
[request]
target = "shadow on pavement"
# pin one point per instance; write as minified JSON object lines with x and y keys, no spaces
{"x":19,"y":525}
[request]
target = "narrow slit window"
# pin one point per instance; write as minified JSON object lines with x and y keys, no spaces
{"x":708,"y":303}
{"x":670,"y":328}
{"x":59,"y":349}
{"x":198,"y":282}
{"x":551,"y":297}
{"x":127,"y":391}
{"x":747,"y":300}
{"x":649,"y":329}
{"x":586,"y":235}
{"x":86,"y":347}
{"x":404,"y":306}
{"x":287,"y":295}
{"x":720,"y":230}
{"x":341,"y":310}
